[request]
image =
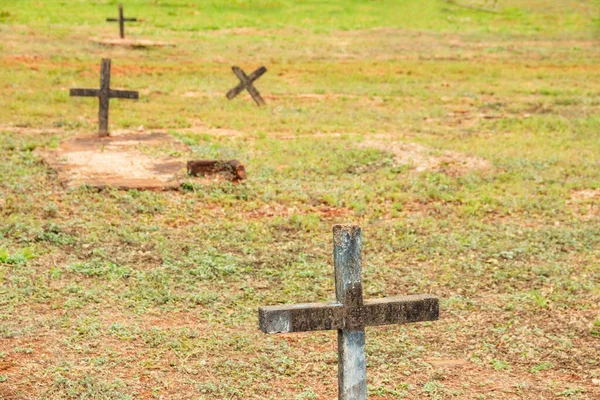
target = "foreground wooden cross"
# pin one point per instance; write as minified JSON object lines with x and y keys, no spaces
{"x":104,"y":94}
{"x":246,"y":83}
{"x":349,"y":315}
{"x":121,"y":21}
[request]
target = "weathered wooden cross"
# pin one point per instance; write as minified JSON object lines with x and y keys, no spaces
{"x":105,"y":93}
{"x":349,"y":314}
{"x":246,"y":83}
{"x":121,"y":20}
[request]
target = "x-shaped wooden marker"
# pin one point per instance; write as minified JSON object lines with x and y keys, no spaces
{"x":246,"y":83}
{"x":105,"y":93}
{"x":349,"y":315}
{"x":121,"y":21}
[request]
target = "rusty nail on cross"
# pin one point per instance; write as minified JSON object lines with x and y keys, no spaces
{"x":349,"y":314}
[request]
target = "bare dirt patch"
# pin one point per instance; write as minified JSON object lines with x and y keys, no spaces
{"x":422,"y":158}
{"x":585,"y":203}
{"x":278,"y":210}
{"x":585,"y":195}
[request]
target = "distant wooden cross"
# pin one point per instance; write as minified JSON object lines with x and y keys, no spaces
{"x":349,"y":314}
{"x":121,"y":20}
{"x":246,"y":83}
{"x":105,"y":93}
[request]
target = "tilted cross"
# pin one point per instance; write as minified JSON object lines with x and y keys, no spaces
{"x":121,"y":21}
{"x":105,"y":93}
{"x":349,"y":314}
{"x":246,"y":83}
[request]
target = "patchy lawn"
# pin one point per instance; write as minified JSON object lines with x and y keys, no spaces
{"x":466,"y":144}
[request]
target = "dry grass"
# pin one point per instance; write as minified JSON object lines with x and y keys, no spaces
{"x":465,"y":145}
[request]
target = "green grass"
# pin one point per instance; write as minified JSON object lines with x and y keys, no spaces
{"x":128,"y":294}
{"x":319,"y":16}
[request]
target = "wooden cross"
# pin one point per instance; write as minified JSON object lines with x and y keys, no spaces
{"x":349,"y":314}
{"x":121,"y":21}
{"x":246,"y":83}
{"x":105,"y":93}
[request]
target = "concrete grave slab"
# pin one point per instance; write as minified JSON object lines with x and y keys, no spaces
{"x":144,"y":161}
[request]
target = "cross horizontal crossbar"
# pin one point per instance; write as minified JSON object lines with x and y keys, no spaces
{"x":328,"y":316}
{"x":124,"y":19}
{"x":119,"y":94}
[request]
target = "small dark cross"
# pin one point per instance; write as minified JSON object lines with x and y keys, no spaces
{"x":105,"y":93}
{"x":121,"y":20}
{"x":349,"y":314}
{"x":246,"y":83}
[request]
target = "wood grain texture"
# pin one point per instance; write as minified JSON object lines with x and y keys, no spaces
{"x":328,"y":316}
{"x":347,"y":260}
{"x":401,"y":310}
{"x":352,"y":365}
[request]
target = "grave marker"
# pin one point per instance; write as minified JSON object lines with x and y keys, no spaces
{"x":105,"y":93}
{"x":246,"y":83}
{"x":121,"y":20}
{"x":349,"y":314}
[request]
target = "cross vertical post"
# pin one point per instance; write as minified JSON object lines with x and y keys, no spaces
{"x":352,"y":365}
{"x":121,"y":22}
{"x":104,"y":96}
